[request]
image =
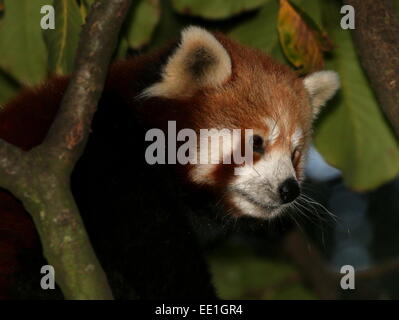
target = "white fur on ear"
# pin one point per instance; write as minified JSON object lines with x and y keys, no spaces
{"x":322,"y":86}
{"x":200,"y":61}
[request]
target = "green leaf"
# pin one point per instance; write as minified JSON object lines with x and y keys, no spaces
{"x":142,"y":22}
{"x":23,"y":53}
{"x":261,"y":31}
{"x":216,"y":9}
{"x":312,"y":8}
{"x":169,"y":27}
{"x":62,"y":42}
{"x":353,"y":134}
{"x":8,"y":88}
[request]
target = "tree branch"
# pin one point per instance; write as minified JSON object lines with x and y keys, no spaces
{"x":69,"y":132}
{"x":311,"y":264}
{"x":40,"y":177}
{"x":8,"y":169}
{"x":377,"y":40}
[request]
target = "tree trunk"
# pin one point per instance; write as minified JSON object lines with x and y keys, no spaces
{"x":377,"y":39}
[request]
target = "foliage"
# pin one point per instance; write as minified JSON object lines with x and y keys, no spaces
{"x":23,"y":53}
{"x":352,"y":133}
{"x":216,"y":9}
{"x":145,"y":17}
{"x":302,"y":41}
{"x":240,"y":273}
{"x":63,"y":40}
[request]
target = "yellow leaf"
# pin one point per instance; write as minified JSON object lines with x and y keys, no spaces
{"x":302,"y":41}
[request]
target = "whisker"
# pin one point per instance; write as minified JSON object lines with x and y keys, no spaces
{"x":312,"y":201}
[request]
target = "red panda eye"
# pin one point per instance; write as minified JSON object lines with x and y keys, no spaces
{"x":257,"y":143}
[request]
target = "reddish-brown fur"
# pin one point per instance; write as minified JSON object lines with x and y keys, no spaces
{"x":259,"y":87}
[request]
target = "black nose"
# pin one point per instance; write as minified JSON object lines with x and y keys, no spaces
{"x":289,"y":190}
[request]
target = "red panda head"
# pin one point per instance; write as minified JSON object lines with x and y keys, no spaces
{"x":211,"y":82}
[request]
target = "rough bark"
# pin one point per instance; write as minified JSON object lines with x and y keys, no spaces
{"x":377,"y":39}
{"x":40,"y":178}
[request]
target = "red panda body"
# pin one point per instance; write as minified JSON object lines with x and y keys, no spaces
{"x":138,"y":215}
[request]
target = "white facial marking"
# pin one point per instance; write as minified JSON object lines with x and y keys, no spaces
{"x":219,"y":147}
{"x":256,"y":192}
{"x":202,"y":174}
{"x":273,"y":129}
{"x":253,"y":210}
{"x":296,"y":138}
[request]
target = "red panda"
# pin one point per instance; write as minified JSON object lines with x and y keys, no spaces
{"x":135,"y":209}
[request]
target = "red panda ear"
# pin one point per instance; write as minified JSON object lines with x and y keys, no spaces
{"x":200,"y":61}
{"x":321,"y":86}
